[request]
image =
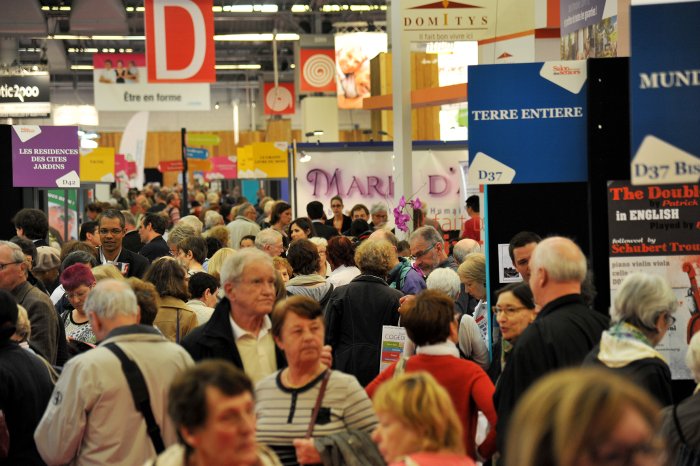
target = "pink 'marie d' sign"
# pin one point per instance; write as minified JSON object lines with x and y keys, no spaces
{"x":45,"y":157}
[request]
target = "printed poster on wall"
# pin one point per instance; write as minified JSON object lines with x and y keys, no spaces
{"x":665,"y":93}
{"x":352,"y":55}
{"x":656,"y":229}
{"x":263,"y":160}
{"x":369,"y":177}
{"x":530,"y":132}
{"x":45,"y":157}
{"x":120,"y":84}
{"x":97,"y":165}
{"x":58,"y":217}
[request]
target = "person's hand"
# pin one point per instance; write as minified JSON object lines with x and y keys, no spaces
{"x":327,"y":356}
{"x":306,"y":451}
{"x":406,"y":302}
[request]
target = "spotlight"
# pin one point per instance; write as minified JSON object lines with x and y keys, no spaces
{"x":216,"y":106}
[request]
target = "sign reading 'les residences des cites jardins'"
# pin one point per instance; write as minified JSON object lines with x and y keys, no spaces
{"x":431,"y":21}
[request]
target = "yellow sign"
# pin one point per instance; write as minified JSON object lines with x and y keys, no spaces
{"x":203,"y":139}
{"x":263,"y":160}
{"x":97,"y":165}
{"x":198,"y":165}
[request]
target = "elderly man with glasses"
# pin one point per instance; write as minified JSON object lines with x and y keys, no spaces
{"x":45,"y":328}
{"x":428,"y":248}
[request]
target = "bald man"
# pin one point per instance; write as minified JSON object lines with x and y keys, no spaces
{"x":464,"y":247}
{"x":563,"y":333}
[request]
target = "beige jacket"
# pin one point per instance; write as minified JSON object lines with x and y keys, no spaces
{"x":166,"y":319}
{"x":91,"y":418}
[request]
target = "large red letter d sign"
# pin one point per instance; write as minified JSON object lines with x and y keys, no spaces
{"x":180,"y":41}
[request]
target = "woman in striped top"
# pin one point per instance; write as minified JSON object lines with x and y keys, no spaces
{"x":285,"y":400}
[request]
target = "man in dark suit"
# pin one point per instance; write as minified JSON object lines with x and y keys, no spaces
{"x":112,"y":232}
{"x":32,"y":224}
{"x":151,"y":231}
{"x":314,"y":210}
{"x":132,"y":239}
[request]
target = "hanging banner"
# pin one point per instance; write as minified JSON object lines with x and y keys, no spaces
{"x":370,"y":178}
{"x":133,"y":145}
{"x":197,"y":153}
{"x":352,"y":55}
{"x":57,"y":212}
{"x":279,"y":100}
{"x":263,"y":160}
{"x":447,"y":21}
{"x":532,"y":132}
{"x":589,"y":29}
{"x":656,"y":229}
{"x":222,"y":168}
{"x":97,"y":165}
{"x":25,"y":96}
{"x":317,"y":70}
{"x":180,"y":41}
{"x":119,"y":80}
{"x":665,"y":93}
{"x":45,"y":157}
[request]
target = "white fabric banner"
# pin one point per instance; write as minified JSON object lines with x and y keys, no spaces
{"x":133,"y":144}
{"x":369,"y":177}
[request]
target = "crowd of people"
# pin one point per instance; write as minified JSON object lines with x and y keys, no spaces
{"x":239,"y":335}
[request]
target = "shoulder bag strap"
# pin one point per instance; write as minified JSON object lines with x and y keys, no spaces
{"x":317,"y":406}
{"x":139,"y":391}
{"x":678,"y":426}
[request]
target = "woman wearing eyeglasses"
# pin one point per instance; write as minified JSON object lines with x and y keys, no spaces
{"x":77,"y":280}
{"x":514,"y":311}
{"x":642,"y":314}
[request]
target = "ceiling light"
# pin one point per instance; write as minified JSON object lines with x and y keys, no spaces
{"x":216,"y":106}
{"x":300,"y":8}
{"x":292,"y":66}
{"x":304,"y":157}
{"x":255,"y":37}
{"x":360,"y":7}
{"x":82,"y":67}
{"x":238,"y":67}
{"x":76,"y":37}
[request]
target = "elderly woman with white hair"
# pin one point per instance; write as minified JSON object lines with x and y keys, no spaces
{"x":681,"y":425}
{"x":471,"y":345}
{"x":642,"y":314}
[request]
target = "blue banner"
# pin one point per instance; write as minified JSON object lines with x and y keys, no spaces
{"x":527,"y":123}
{"x":197,"y":153}
{"x":665,"y":93}
{"x":577,"y":14}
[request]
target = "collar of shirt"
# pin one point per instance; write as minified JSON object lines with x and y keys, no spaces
{"x":446,"y":348}
{"x":104,"y":260}
{"x":239,"y":332}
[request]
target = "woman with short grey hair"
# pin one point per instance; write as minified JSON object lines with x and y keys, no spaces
{"x":641,"y":315}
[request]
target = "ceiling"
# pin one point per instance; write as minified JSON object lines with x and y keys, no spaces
{"x":28,"y":25}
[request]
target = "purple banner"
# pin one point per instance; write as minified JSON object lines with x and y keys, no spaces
{"x":45,"y":157}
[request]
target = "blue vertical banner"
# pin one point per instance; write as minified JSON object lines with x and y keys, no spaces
{"x":665,"y":93}
{"x":527,"y":123}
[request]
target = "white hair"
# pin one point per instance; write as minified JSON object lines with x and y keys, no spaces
{"x":641,"y":298}
{"x":692,"y":357}
{"x":561,"y":258}
{"x":112,"y":298}
{"x":378,"y":207}
{"x":212,"y":218}
{"x":318,"y":241}
{"x":233,"y":267}
{"x":194,"y":222}
{"x":445,"y":280}
{"x":17,"y":254}
{"x":267,"y":237}
{"x":465,"y":247}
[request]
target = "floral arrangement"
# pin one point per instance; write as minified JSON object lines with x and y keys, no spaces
{"x":401,"y":217}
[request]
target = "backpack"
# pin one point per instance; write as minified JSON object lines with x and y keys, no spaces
{"x":401,"y":279}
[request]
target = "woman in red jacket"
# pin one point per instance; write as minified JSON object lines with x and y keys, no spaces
{"x":430,"y":324}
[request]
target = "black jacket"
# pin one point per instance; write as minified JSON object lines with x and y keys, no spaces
{"x":132,"y":241}
{"x":563,"y":333}
{"x":214,"y":340}
{"x":25,"y":390}
{"x":347,"y":222}
{"x":355,"y":315}
{"x":651,"y":374}
{"x":137,"y":263}
{"x":324,"y":231}
{"x":155,"y":248}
